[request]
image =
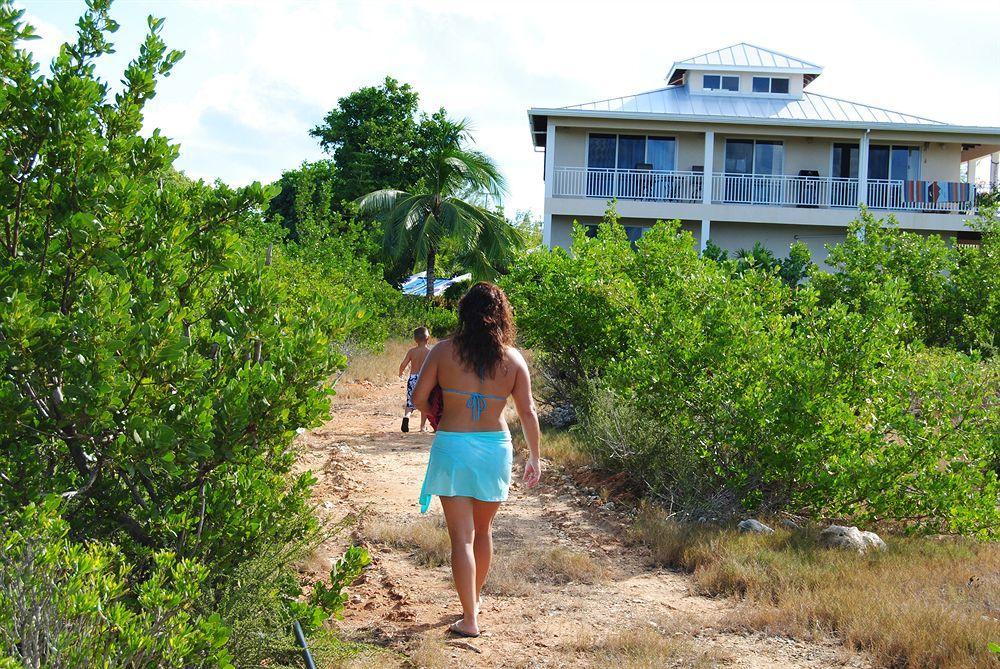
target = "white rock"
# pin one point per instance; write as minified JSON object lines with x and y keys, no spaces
{"x":751,"y":525}
{"x":874,"y":540}
{"x":850,"y":538}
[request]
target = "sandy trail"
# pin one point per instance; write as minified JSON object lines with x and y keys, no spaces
{"x":365,"y":466}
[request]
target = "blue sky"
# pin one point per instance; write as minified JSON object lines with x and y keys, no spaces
{"x":258,"y":75}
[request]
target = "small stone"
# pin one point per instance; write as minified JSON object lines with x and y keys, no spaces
{"x":357,"y":599}
{"x":791,"y":525}
{"x":609,"y":506}
{"x":751,"y":525}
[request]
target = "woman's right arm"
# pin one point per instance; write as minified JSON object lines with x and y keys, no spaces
{"x":525,"y":405}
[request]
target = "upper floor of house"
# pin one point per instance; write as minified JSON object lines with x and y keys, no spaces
{"x":742,"y":127}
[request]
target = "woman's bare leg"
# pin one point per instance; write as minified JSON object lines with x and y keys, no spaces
{"x":482,"y":545}
{"x":461,"y":530}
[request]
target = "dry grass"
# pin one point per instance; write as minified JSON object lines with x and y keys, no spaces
{"x":429,"y":653}
{"x":641,"y":648}
{"x":561,"y":564}
{"x":377,"y":367}
{"x":514,"y":574}
{"x":924,"y":603}
{"x":558,"y":447}
{"x":507,"y":577}
{"x":511,"y":574}
{"x":426,"y":537}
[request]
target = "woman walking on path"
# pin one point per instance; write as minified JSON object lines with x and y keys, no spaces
{"x":470,"y":460}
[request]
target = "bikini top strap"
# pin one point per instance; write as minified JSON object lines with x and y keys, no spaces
{"x":476,"y":402}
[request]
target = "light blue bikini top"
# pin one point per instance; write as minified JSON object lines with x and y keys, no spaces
{"x":476,"y":402}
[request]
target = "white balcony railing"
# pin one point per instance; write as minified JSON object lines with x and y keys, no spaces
{"x":664,"y":186}
{"x":750,"y":189}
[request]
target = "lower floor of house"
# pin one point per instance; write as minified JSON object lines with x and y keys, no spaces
{"x":733,"y":236}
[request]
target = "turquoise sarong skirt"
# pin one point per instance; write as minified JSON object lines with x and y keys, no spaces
{"x":468,"y":464}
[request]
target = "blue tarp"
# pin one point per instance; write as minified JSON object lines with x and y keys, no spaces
{"x":417,"y":284}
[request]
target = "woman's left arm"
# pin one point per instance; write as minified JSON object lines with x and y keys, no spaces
{"x":427,"y":380}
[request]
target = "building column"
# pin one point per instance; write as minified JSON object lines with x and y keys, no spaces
{"x":706,"y":229}
{"x":706,"y":181}
{"x":994,"y":170}
{"x":550,"y":177}
{"x":970,"y":171}
{"x":863,"y":168}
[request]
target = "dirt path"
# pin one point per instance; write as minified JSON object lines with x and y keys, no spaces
{"x":367,"y":467}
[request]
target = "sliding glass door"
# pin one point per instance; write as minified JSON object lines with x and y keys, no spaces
{"x":750,"y":167}
{"x":628,"y":166}
{"x":896,"y":163}
{"x":602,"y":153}
{"x":888,"y":167}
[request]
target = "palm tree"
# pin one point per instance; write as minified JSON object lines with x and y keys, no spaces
{"x":451,"y":201}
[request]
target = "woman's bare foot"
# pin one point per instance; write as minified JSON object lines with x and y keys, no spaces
{"x":461,"y":628}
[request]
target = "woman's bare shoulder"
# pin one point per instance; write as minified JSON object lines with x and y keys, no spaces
{"x":516,"y":357}
{"x":442,"y":346}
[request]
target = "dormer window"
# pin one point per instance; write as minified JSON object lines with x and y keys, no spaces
{"x":715,"y":82}
{"x":770,"y":85}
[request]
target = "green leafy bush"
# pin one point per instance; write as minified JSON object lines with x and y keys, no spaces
{"x":952,"y":293}
{"x":345,"y":571}
{"x":726,"y":391}
{"x":157,"y":353}
{"x":68,"y":604}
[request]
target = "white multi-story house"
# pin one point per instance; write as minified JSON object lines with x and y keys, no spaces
{"x":739,"y":148}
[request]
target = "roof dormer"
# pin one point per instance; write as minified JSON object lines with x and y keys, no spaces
{"x":744,"y":69}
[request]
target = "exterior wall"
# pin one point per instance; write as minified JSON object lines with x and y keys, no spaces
{"x":562,"y":227}
{"x":733,"y":235}
{"x":777,"y":238}
{"x":571,"y":147}
{"x":690,"y":150}
{"x":939,"y":161}
{"x":695,"y":82}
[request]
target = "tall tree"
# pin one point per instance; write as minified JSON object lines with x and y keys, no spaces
{"x":375,"y":135}
{"x":457,"y":187}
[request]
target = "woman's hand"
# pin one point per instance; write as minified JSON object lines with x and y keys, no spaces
{"x":532,"y":471}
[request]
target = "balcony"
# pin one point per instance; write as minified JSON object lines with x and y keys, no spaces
{"x":754,"y":189}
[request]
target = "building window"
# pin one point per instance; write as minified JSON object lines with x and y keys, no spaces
{"x":770,"y":85}
{"x":628,"y":166}
{"x":631,"y":152}
{"x":898,"y":163}
{"x":747,"y":156}
{"x":715,"y":82}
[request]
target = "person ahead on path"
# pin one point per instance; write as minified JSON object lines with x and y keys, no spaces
{"x":470,"y":460}
{"x":415,"y":358}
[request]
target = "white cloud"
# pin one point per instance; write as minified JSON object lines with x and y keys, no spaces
{"x":258,"y":75}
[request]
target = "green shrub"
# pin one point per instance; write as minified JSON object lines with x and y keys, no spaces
{"x":728,"y":391}
{"x":68,"y":604}
{"x":410,"y":312}
{"x":951,"y":293}
{"x":156,"y":358}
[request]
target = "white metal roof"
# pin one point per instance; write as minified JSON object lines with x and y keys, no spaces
{"x":749,"y":55}
{"x":678,"y":101}
{"x":743,"y":57}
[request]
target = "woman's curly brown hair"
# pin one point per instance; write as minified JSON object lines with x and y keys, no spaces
{"x":485,"y":328}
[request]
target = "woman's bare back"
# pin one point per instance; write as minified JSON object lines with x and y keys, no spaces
{"x":444,"y":368}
